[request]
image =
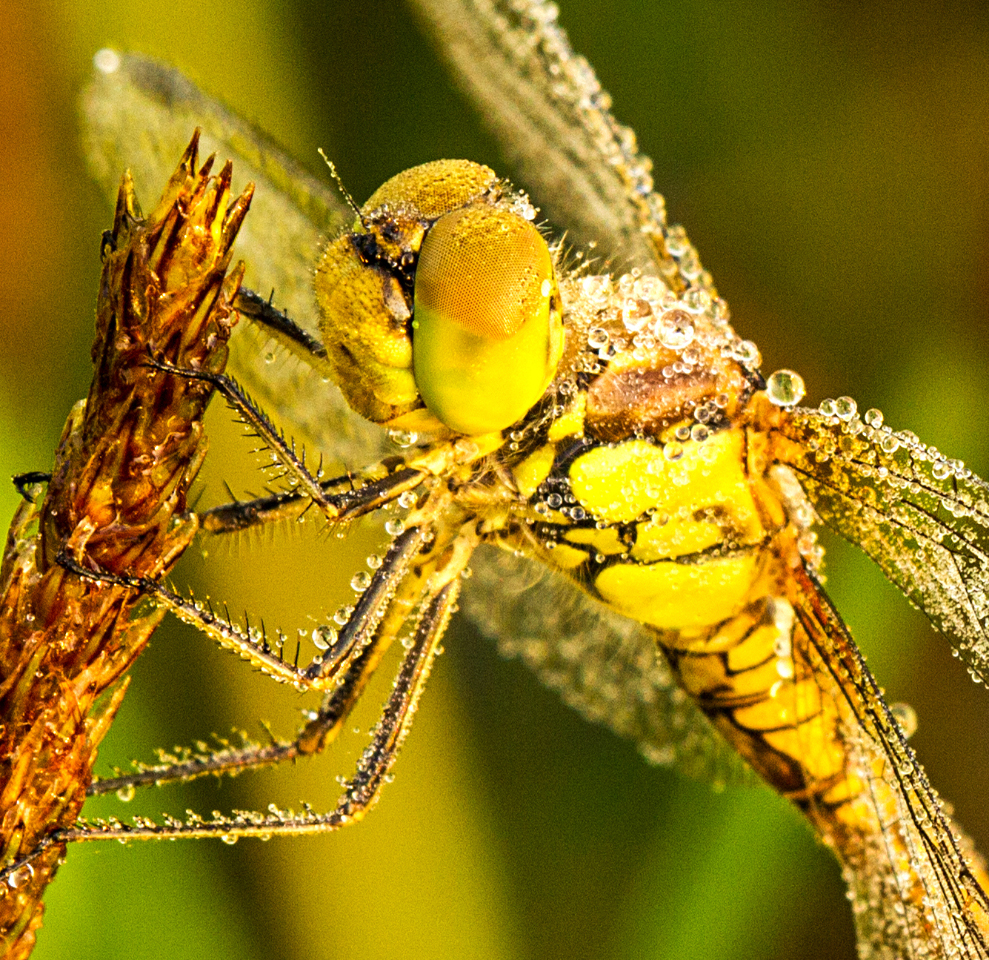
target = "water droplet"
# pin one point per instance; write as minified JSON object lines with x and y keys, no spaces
{"x":394,"y":527}
{"x":323,"y":637}
{"x":635,"y":314}
{"x":845,"y":408}
{"x":747,"y":353}
{"x":890,"y":443}
{"x":657,"y":207}
{"x":107,"y":60}
{"x":126,"y":793}
{"x":675,"y":329}
{"x":673,"y":450}
{"x":785,"y":388}
{"x":873,"y":418}
{"x":407,"y":500}
{"x":691,"y":356}
{"x":676,"y":240}
{"x":360,"y":581}
{"x":596,"y":289}
{"x":374,"y":561}
{"x":402,"y":438}
{"x":229,"y":839}
{"x":342,"y":615}
{"x":22,"y":875}
{"x":906,"y":717}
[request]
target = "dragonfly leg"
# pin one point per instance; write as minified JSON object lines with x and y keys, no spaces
{"x":396,"y":718}
{"x":361,"y":791}
{"x":25,"y":483}
{"x":315,"y":736}
{"x":323,"y":672}
{"x":281,"y":328}
{"x":343,"y":671}
{"x":350,"y":497}
{"x":283,"y":450}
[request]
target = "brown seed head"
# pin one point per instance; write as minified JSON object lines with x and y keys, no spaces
{"x":116,"y":503}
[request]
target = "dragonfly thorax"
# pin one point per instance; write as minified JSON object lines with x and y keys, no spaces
{"x":647,"y":485}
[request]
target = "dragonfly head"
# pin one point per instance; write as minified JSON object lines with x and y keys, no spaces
{"x":441,"y":307}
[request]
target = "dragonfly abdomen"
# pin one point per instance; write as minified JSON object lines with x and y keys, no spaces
{"x":691,"y":535}
{"x":760,"y":692}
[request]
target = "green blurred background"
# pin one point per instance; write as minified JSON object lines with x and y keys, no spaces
{"x":830,"y":162}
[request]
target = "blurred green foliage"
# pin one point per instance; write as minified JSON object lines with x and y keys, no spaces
{"x":830,"y":162}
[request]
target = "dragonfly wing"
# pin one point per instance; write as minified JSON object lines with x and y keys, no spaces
{"x":140,"y":114}
{"x":923,"y":519}
{"x":602,"y":664}
{"x":552,"y":118}
{"x":916,"y":894}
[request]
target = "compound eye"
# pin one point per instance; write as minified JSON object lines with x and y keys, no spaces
{"x":487,"y":331}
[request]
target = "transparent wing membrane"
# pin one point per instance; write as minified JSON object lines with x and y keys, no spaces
{"x":545,"y":105}
{"x":916,"y":890}
{"x":603,"y":665}
{"x":152,"y":108}
{"x":924,"y":519}
{"x":137,"y":100}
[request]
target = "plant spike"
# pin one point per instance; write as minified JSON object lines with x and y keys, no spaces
{"x":116,"y":502}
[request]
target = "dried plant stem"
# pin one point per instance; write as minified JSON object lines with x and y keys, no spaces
{"x":116,"y":502}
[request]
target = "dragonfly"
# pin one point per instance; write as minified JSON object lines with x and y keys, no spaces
{"x":658,"y":473}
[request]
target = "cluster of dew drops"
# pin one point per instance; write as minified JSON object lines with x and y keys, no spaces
{"x":870,"y":427}
{"x":652,"y":317}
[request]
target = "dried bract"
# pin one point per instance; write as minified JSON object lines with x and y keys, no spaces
{"x":116,"y":503}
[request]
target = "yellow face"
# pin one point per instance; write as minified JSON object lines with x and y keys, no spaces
{"x":444,"y":297}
